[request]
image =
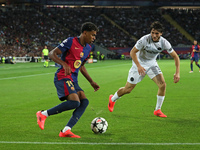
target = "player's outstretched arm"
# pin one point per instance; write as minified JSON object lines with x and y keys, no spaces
{"x":87,"y":76}
{"x":53,"y":55}
{"x":177,"y":64}
{"x":133,"y":52}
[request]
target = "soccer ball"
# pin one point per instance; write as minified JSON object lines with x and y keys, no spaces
{"x":99,"y":125}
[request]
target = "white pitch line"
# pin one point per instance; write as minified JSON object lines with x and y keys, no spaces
{"x":25,"y":76}
{"x":86,"y":143}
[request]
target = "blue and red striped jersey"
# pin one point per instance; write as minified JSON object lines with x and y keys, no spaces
{"x":74,"y":54}
{"x":195,"y":54}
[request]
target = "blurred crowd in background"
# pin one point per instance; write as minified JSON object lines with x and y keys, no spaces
{"x":24,"y":32}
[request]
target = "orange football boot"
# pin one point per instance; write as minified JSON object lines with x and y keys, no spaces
{"x":68,"y":133}
{"x":111,"y":104}
{"x":159,"y":113}
{"x":41,"y":119}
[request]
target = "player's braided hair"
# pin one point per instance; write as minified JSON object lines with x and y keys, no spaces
{"x":157,"y":26}
{"x":88,"y":26}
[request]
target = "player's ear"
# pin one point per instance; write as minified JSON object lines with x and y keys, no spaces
{"x":84,"y":32}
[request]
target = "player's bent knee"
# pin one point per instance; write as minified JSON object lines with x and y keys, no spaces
{"x":77,"y":104}
{"x":85,"y":102}
{"x":162,"y":85}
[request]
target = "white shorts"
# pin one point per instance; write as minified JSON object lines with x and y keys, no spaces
{"x":151,"y":71}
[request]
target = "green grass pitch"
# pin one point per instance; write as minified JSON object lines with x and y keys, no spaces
{"x":26,"y":88}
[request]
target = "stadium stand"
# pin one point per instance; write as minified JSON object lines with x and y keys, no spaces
{"x":136,"y":22}
{"x":72,"y":18}
{"x":189,"y":19}
{"x":24,"y":32}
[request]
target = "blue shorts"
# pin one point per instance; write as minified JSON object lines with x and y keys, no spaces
{"x":196,"y":59}
{"x":65,"y":87}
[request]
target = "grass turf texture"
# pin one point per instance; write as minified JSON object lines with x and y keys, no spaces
{"x":28,"y":87}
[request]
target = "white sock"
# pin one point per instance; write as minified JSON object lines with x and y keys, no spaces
{"x":115,"y":97}
{"x":159,"y":103}
{"x":45,"y":113}
{"x":66,"y":128}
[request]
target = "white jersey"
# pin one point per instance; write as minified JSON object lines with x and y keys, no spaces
{"x":149,"y":50}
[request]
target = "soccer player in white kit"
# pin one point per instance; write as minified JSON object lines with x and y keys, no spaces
{"x":144,"y":55}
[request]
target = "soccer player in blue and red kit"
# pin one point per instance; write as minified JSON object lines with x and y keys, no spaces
{"x":195,"y":55}
{"x":74,"y":53}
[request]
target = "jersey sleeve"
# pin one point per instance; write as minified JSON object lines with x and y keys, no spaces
{"x":168,"y":47}
{"x":140,"y":43}
{"x":65,"y":45}
{"x":89,"y":47}
{"x":192,"y":47}
{"x":87,"y":58}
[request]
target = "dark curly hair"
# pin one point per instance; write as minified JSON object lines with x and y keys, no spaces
{"x":157,"y":26}
{"x":88,"y":26}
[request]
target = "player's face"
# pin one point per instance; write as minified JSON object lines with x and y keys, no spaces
{"x":155,"y":34}
{"x":90,"y":36}
{"x":195,"y":42}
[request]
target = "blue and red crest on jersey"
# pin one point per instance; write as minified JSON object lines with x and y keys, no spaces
{"x":74,"y":54}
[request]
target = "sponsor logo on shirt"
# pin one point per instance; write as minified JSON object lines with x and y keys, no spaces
{"x":152,"y":52}
{"x":77,"y":63}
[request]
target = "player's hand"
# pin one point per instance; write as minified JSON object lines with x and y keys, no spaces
{"x":194,"y":50}
{"x":95,"y":86}
{"x":67,"y":69}
{"x":176,"y":78}
{"x":141,"y":71}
